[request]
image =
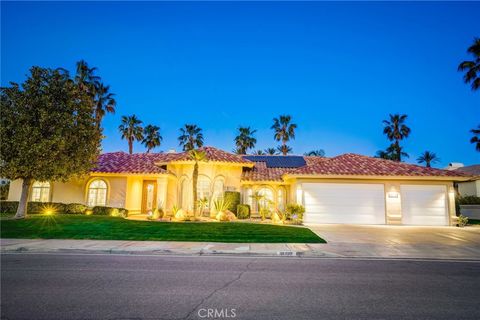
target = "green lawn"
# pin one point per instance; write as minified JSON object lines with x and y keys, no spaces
{"x":109,"y":228}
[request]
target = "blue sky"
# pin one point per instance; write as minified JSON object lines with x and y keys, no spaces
{"x":338,"y":68}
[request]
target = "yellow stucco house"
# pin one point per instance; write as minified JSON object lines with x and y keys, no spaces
{"x":349,"y":188}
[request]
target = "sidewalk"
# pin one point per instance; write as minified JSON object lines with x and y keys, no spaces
{"x":330,"y":250}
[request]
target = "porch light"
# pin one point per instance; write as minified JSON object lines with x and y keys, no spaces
{"x":393,"y":195}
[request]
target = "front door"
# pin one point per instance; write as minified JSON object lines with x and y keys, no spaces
{"x":149,"y":196}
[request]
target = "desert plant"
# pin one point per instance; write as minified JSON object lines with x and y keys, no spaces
{"x":462,"y":221}
{"x":201,"y":205}
{"x":257,"y":197}
{"x":221,"y":207}
{"x":265,"y":213}
{"x":243,"y":211}
{"x":295,"y":212}
{"x":178,"y":213}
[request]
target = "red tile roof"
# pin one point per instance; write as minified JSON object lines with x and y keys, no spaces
{"x":216,"y":155}
{"x":347,"y":164}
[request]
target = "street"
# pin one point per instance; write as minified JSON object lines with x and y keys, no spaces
{"x":77,"y":286}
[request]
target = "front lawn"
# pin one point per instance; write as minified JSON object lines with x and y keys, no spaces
{"x":109,"y":228}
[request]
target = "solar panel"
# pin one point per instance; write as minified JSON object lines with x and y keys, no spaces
{"x":279,"y":161}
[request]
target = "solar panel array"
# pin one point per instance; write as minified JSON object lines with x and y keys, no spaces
{"x":279,"y":161}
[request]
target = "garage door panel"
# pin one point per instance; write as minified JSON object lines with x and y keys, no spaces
{"x":424,"y":205}
{"x":344,"y":203}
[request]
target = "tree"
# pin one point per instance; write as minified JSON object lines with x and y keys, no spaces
{"x":396,"y":130}
{"x":131,"y":130}
{"x":284,"y":149}
{"x":476,"y":138}
{"x":383,"y":155}
{"x":472,"y":67}
{"x":316,"y":153}
{"x":104,"y":102}
{"x":197,"y":156}
{"x":271,"y":151}
{"x":85,"y":78}
{"x":258,"y":153}
{"x":284,"y":131}
{"x":191,"y":137}
{"x":428,"y":158}
{"x":47,"y":129}
{"x":245,"y":140}
{"x":152,"y":137}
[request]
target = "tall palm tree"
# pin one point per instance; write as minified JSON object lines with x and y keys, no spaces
{"x":396,"y":130}
{"x":85,"y":77}
{"x":383,"y":155}
{"x":284,"y":131}
{"x":476,"y":138}
{"x":284,"y":149}
{"x":131,"y":130}
{"x":245,"y":140}
{"x":396,"y":152}
{"x":196,"y":156}
{"x":191,"y":137}
{"x":316,"y":153}
{"x":271,"y":151}
{"x":428,"y":158}
{"x":472,"y":67}
{"x":104,"y":102}
{"x":259,"y":153}
{"x":152,"y":137}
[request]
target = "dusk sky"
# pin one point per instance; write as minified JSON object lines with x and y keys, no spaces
{"x":338,"y":68}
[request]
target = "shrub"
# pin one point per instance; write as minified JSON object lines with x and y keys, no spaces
{"x":4,"y":191}
{"x":75,"y":208}
{"x":109,"y":211}
{"x":42,"y":207}
{"x":233,"y":199}
{"x":469,"y":200}
{"x":295,"y":212}
{"x":462,"y":221}
{"x":8,"y":206}
{"x":265,"y":213}
{"x":243,"y":211}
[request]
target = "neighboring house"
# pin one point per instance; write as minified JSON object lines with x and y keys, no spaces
{"x":472,"y":187}
{"x":349,"y":188}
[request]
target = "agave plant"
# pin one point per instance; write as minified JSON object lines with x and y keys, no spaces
{"x":201,"y":206}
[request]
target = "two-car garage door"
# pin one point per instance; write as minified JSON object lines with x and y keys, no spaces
{"x":365,"y":203}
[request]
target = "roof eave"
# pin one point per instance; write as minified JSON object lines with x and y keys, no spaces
{"x":375,"y":177}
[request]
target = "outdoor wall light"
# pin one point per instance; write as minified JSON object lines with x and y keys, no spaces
{"x":393,"y":195}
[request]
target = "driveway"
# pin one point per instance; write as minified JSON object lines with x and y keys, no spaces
{"x":399,"y":241}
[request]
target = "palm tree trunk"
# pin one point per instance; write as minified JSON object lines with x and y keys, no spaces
{"x":130,"y":146}
{"x":194,"y":187}
{"x":397,"y":149}
{"x":284,"y":149}
{"x":22,"y":204}
{"x":428,"y":163}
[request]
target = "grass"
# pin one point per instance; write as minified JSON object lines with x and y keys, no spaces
{"x":109,"y":228}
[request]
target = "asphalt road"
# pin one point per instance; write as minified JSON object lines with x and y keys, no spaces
{"x":55,"y":286}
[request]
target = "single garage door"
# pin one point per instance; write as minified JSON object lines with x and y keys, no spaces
{"x":424,"y":205}
{"x":344,"y":203}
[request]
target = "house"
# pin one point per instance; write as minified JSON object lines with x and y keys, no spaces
{"x":471,"y":187}
{"x":349,"y":188}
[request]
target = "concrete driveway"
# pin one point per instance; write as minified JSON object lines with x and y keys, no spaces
{"x":399,"y":241}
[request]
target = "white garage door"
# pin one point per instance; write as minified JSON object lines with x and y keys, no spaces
{"x":344,"y":203}
{"x":424,"y":205}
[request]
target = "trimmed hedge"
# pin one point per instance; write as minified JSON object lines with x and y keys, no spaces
{"x":233,"y":199}
{"x":8,"y":206}
{"x":469,"y":200}
{"x":243,"y":211}
{"x":75,"y":208}
{"x":109,"y":211}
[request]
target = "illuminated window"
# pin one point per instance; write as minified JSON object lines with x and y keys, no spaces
{"x":218,"y":189}
{"x":247,"y":197}
{"x":41,"y":191}
{"x":267,"y":200}
{"x":203,"y":188}
{"x":97,"y":193}
{"x":281,"y":198}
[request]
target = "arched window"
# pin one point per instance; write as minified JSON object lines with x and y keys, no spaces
{"x":247,"y":197}
{"x":204,"y":188}
{"x":281,"y":198}
{"x":40,"y":191}
{"x":218,"y":188}
{"x":97,"y":193}
{"x":267,"y":200}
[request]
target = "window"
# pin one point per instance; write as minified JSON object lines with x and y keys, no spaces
{"x":97,"y":193}
{"x":41,"y":191}
{"x":281,"y":198}
{"x":218,"y":189}
{"x":267,"y":200}
{"x":203,"y":188}
{"x":247,"y":197}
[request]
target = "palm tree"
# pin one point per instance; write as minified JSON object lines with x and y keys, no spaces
{"x":245,"y":140}
{"x":191,"y":137}
{"x":152,"y":137}
{"x":472,"y":67}
{"x":196,"y":156}
{"x":271,"y":151}
{"x":396,"y":152}
{"x":428,"y":158}
{"x":476,"y":138}
{"x":284,"y":149}
{"x":131,"y":130}
{"x":258,"y":153}
{"x":257,"y":197}
{"x":104,"y":102}
{"x":383,"y":155}
{"x":396,"y":130}
{"x":316,"y":153}
{"x":85,"y":77}
{"x":284,"y":131}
